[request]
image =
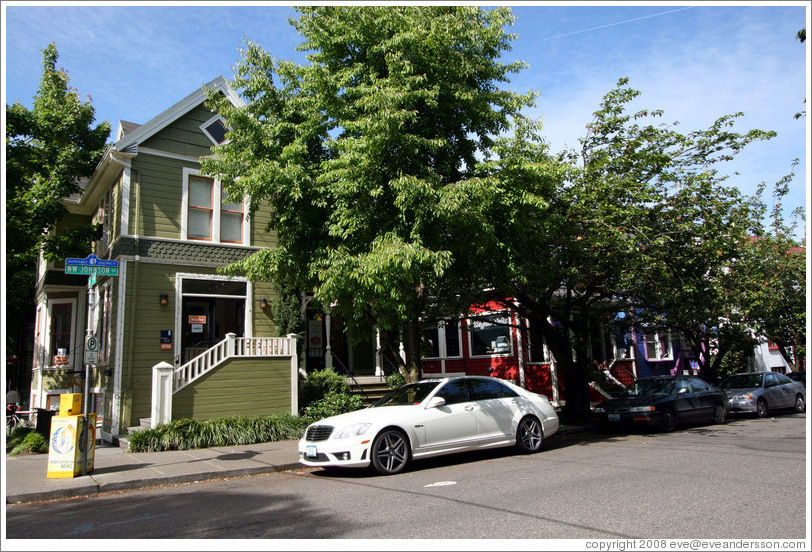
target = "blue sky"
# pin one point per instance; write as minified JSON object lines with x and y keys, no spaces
{"x":696,"y":61}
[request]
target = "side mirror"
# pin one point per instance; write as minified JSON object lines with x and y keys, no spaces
{"x":435,"y":402}
{"x":682,"y":390}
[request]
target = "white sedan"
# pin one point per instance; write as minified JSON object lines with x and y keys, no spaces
{"x":431,"y":418}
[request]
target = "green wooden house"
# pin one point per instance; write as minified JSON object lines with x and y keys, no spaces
{"x":170,"y":229}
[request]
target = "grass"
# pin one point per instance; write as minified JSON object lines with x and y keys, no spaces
{"x":189,"y":434}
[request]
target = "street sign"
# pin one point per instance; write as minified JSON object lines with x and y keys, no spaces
{"x":91,"y":265}
{"x":91,"y":350}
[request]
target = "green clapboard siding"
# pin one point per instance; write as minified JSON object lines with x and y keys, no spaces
{"x":144,"y":318}
{"x":160,"y":182}
{"x":239,"y":387}
{"x":184,"y":136}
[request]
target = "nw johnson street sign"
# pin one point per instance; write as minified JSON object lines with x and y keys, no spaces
{"x":91,"y":265}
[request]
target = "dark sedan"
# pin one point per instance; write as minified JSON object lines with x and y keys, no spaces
{"x":664,"y":402}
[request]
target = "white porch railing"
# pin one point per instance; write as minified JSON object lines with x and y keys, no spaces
{"x":166,"y":382}
{"x":232,"y":346}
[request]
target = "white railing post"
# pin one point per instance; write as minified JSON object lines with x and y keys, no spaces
{"x":294,"y":375}
{"x":378,"y":362}
{"x":230,"y":340}
{"x":162,"y":380}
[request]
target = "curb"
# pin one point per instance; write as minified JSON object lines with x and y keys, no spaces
{"x":97,"y":488}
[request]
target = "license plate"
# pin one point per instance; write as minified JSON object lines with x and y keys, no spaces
{"x":614,"y":417}
{"x":312,"y":452}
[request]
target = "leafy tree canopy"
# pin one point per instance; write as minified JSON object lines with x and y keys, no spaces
{"x":368,"y":155}
{"x":49,"y":149}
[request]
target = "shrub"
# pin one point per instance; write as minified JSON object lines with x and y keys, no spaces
{"x":332,"y":404}
{"x":395,"y":380}
{"x":25,"y":440}
{"x":319,"y":384}
{"x":188,"y":434}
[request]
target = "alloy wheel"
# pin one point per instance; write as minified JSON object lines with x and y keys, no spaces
{"x":529,"y":435}
{"x":390,"y":452}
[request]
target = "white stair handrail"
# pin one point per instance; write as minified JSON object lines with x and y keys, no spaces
{"x":231,"y":347}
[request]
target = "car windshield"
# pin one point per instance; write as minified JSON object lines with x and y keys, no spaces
{"x":644,"y":388}
{"x":741,"y":381}
{"x":412,"y":393}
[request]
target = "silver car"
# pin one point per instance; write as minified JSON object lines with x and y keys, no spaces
{"x":761,"y":392}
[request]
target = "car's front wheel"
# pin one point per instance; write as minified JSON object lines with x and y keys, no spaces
{"x":761,"y":408}
{"x":800,"y":405}
{"x":390,"y":452}
{"x":529,"y":435}
{"x":668,"y":420}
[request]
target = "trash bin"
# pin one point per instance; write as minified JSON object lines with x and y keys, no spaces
{"x":44,"y":421}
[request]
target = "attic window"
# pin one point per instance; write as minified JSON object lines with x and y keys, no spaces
{"x":215,"y":128}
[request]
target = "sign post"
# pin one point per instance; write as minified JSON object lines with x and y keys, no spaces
{"x":91,"y":358}
{"x":91,"y":266}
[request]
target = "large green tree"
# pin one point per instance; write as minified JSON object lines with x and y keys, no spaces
{"x":768,"y":280}
{"x":49,"y":149}
{"x":366,"y":156}
{"x":627,"y":228}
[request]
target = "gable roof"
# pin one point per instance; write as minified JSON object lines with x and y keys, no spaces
{"x":164,"y":119}
{"x":129,"y":135}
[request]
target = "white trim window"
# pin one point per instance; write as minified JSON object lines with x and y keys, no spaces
{"x":443,"y":340}
{"x":215,"y":130}
{"x":490,"y":335}
{"x":658,"y":346}
{"x":208,"y":215}
{"x":60,"y":337}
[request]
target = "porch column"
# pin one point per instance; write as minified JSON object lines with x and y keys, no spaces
{"x":328,"y":350}
{"x":294,"y":375}
{"x":161,"y":410}
{"x":378,"y":366}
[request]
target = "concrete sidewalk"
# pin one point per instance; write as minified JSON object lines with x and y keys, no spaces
{"x":116,"y":469}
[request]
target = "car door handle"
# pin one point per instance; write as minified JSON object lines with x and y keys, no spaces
{"x":469,"y":407}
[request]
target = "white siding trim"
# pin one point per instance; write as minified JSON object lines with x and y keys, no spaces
{"x":115,"y":410}
{"x":126,"y":179}
{"x":169,"y":155}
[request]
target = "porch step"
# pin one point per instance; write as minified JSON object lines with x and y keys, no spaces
{"x":371,"y":388}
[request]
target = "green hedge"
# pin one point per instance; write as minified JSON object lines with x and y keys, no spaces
{"x":189,"y":434}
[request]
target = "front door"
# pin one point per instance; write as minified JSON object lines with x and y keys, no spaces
{"x":197,"y":321}
{"x":205,"y":322}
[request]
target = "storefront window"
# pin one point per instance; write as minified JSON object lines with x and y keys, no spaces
{"x":490,"y":335}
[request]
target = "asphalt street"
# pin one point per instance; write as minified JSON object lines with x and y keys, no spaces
{"x":744,"y":479}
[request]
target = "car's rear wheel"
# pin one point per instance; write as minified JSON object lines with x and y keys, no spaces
{"x":761,"y":408}
{"x":529,"y":435}
{"x":800,"y":405}
{"x":668,"y":420}
{"x":719,"y":414}
{"x":390,"y":452}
